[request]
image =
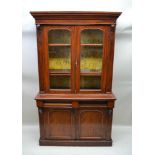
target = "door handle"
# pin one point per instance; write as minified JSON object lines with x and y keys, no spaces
{"x":76,"y":63}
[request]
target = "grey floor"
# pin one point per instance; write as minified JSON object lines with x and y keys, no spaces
{"x":121,"y":144}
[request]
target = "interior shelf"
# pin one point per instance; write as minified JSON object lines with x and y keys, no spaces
{"x":90,"y":73}
{"x":59,"y":44}
{"x":92,"y":45}
{"x":59,"y":72}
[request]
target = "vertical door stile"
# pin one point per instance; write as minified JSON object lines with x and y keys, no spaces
{"x":102,"y":70}
{"x":76,"y":59}
{"x":77,"y":30}
{"x":104,"y":60}
{"x":72,"y":59}
{"x":46,"y":59}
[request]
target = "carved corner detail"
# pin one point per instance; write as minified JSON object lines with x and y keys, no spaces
{"x":40,"y":110}
{"x":110,"y":111}
{"x":37,"y":25}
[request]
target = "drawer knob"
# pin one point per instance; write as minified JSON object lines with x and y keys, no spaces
{"x":75,"y":105}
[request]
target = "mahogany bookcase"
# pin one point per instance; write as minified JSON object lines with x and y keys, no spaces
{"x":75,"y":60}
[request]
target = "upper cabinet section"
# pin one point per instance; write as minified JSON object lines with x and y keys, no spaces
{"x":75,"y":51}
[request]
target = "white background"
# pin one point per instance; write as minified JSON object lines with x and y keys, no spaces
{"x":143,"y":76}
{"x":122,"y":80}
{"x":122,"y":64}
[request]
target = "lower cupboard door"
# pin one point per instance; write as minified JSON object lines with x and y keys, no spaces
{"x":59,"y":124}
{"x":92,"y":123}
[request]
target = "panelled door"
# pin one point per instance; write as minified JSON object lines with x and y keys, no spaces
{"x":75,"y":59}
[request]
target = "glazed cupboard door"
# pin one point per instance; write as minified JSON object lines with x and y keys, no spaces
{"x":59,"y":57}
{"x":91,"y":59}
{"x":76,"y":59}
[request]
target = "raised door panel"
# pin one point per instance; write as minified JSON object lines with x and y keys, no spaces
{"x":92,"y":123}
{"x":59,"y":124}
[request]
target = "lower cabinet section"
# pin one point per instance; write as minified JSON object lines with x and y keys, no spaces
{"x":75,"y":123}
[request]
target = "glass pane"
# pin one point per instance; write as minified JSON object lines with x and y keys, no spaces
{"x":59,"y":58}
{"x":59,"y":36}
{"x":90,"y":82}
{"x":59,"y":82}
{"x":91,"y":36}
{"x":91,"y":59}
